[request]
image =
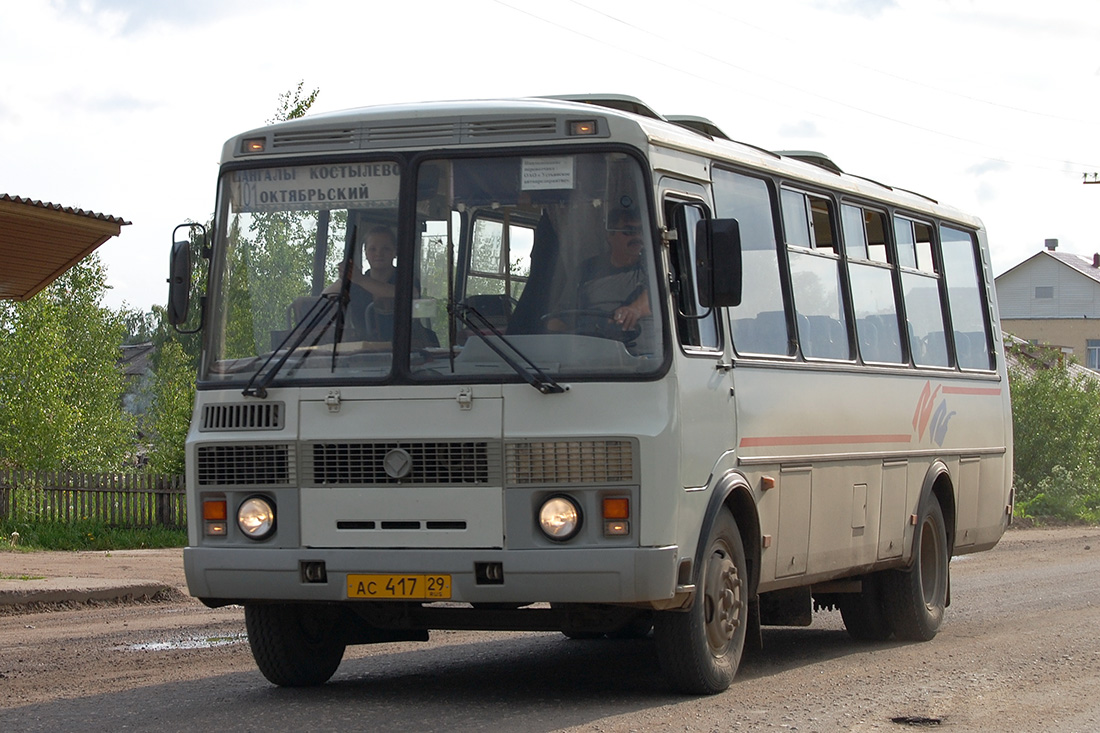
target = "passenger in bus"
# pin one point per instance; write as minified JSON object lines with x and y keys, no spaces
{"x":371,"y":293}
{"x":613,"y":296}
{"x":374,"y":289}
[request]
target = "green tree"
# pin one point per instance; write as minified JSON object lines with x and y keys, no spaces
{"x":293,"y":105}
{"x":170,"y":413}
{"x":1056,"y":440}
{"x":60,"y":385}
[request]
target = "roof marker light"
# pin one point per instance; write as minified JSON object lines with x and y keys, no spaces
{"x":582,"y":127}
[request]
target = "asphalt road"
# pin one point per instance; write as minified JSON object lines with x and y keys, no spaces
{"x":1019,"y":650}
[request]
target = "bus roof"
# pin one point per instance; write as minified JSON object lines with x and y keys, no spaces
{"x":524,"y":121}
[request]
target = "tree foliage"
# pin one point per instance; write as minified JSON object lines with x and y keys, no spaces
{"x":60,"y":384}
{"x":293,"y":105}
{"x":170,"y":414}
{"x":1056,"y":428}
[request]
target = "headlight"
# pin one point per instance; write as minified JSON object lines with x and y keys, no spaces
{"x":256,"y":517}
{"x":560,"y":518}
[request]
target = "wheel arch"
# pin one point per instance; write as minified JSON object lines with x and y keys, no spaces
{"x":939,"y":485}
{"x":732,"y":491}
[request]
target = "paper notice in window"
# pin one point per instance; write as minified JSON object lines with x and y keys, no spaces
{"x":546,"y":173}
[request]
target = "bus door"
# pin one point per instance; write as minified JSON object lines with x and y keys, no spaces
{"x":702,"y":371}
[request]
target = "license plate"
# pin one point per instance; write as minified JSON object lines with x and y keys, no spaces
{"x":400,"y":587}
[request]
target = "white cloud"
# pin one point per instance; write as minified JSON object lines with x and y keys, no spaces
{"x":865,"y":8}
{"x":800,"y":129}
{"x":987,"y":166}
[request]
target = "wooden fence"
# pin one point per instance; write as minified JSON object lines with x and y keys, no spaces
{"x":118,"y":500}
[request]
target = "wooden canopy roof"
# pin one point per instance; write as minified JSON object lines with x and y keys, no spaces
{"x":39,"y":241}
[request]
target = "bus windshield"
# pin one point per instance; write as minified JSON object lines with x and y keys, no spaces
{"x":518,"y":266}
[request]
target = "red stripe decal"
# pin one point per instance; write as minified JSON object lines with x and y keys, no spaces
{"x":991,"y":391}
{"x":822,"y":440}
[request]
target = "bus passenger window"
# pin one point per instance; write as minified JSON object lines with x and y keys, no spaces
{"x":920,"y":284}
{"x":914,"y":244}
{"x":872,"y":283}
{"x":759,"y":324}
{"x":815,"y":276}
{"x":965,"y":299}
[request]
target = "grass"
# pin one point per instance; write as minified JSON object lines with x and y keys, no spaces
{"x":87,"y":535}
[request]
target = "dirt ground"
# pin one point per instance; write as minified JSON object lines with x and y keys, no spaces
{"x":1019,"y":649}
{"x":161,"y":565}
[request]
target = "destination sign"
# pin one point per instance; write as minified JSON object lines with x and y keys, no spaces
{"x":314,"y":187}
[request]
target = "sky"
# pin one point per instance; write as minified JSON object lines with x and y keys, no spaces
{"x":121,"y":107}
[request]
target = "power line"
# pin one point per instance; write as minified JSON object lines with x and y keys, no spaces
{"x":773,"y":81}
{"x":890,"y":75}
{"x":829,"y":99}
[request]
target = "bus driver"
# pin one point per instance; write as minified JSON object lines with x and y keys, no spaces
{"x":613,"y":296}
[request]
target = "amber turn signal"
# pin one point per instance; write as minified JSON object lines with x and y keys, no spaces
{"x":214,"y":510}
{"x":616,"y":507}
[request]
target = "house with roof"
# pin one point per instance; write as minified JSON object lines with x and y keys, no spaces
{"x":39,"y":241}
{"x":1053,"y":298}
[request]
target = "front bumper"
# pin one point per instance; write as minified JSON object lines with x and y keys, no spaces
{"x":555,"y":575}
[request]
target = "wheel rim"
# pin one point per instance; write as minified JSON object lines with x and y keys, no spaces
{"x":721,"y":600}
{"x":933,"y":565}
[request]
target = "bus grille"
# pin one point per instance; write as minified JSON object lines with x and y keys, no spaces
{"x":244,"y":465}
{"x":437,"y":464}
{"x":570,"y":462}
{"x":243,"y":416}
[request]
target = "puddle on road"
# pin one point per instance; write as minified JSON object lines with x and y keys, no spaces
{"x":191,"y":642}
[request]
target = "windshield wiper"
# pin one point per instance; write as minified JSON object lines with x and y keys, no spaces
{"x":345,"y":292}
{"x":320,"y":315}
{"x":536,"y":377}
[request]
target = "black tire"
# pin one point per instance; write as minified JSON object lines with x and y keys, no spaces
{"x":582,"y":635}
{"x":863,"y":614}
{"x":700,"y":649}
{"x":295,"y":645}
{"x":914,"y":600}
{"x":638,"y":627}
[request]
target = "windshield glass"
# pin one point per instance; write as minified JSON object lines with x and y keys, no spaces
{"x":518,"y":268}
{"x":548,"y":259}
{"x":280,"y":298}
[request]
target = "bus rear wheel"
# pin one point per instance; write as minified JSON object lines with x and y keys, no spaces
{"x":700,"y":649}
{"x":295,"y":645}
{"x":863,"y":614}
{"x":914,"y":600}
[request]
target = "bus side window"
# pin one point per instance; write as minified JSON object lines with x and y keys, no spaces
{"x":920,"y":283}
{"x":697,"y":327}
{"x":815,"y":276}
{"x":759,"y":324}
{"x":973,"y":347}
{"x":874,"y":304}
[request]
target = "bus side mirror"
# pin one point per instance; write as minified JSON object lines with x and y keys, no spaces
{"x":718,"y":262}
{"x":179,"y":274}
{"x":179,"y":282}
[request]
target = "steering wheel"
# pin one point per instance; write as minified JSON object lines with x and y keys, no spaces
{"x":601,"y":325}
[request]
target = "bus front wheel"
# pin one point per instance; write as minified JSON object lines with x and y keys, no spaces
{"x":914,"y":600}
{"x":700,"y":649}
{"x":295,"y":645}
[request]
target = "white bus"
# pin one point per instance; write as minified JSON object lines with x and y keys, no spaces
{"x":564,"y":364}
